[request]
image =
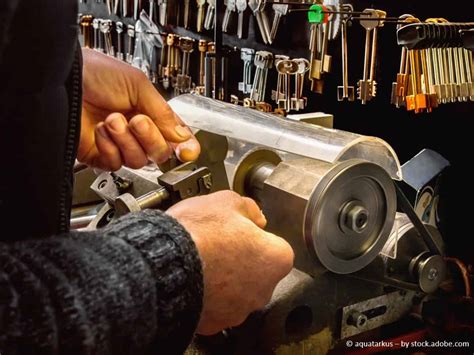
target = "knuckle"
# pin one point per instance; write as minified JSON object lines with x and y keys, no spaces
{"x":168,"y":113}
{"x":139,"y":76}
{"x":250,"y":202}
{"x":231,"y":197}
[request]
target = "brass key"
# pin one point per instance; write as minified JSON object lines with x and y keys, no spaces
{"x":86,"y":25}
{"x":202,"y":46}
{"x":400,"y":87}
{"x":200,"y":14}
{"x":367,"y":86}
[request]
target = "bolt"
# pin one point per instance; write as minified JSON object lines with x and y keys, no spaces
{"x":207,"y":180}
{"x":354,"y":216}
{"x":357,"y":319}
{"x":433,"y":274}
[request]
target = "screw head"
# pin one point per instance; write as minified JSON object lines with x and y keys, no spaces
{"x":433,"y":274}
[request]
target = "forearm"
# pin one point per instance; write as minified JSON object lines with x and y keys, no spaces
{"x":132,"y":286}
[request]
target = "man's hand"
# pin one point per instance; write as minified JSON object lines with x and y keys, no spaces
{"x":125,"y":120}
{"x":242,"y":263}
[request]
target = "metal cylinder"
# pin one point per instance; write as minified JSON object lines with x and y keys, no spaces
{"x":268,"y":131}
{"x":81,"y":222}
{"x":126,"y":203}
{"x":336,"y":217}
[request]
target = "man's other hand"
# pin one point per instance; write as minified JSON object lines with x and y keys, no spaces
{"x":125,"y":121}
{"x":242,"y":263}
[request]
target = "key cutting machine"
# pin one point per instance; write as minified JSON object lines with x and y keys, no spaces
{"x":359,"y":264}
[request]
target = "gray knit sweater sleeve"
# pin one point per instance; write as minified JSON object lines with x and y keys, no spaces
{"x":134,"y":287}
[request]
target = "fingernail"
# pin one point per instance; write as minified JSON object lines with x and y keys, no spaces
{"x":142,"y":126}
{"x":186,"y":154}
{"x":103,"y":132}
{"x":118,"y":124}
{"x":182,"y":131}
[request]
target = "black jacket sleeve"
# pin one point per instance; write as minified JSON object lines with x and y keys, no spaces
{"x":134,"y":287}
{"x":7,"y":10}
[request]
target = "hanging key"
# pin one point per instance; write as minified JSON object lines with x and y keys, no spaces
{"x":258,"y":9}
{"x":263,"y":62}
{"x":230,"y":8}
{"x":210,"y":71}
{"x":427,"y":81}
{"x":106,"y":29}
{"x":116,"y":7}
{"x":313,"y":47}
{"x":176,"y":62}
{"x":467,"y":57}
{"x":248,"y":56}
{"x":367,"y":86}
{"x":101,"y":44}
{"x":452,"y":75}
{"x":447,"y":77}
{"x":86,"y":26}
{"x":443,"y":78}
{"x":249,"y":103}
{"x":321,"y":61}
{"x":163,"y":55}
{"x":201,"y":4}
{"x":241,"y":6}
{"x":154,"y":72}
{"x":440,"y":78}
{"x":163,"y":7}
{"x":298,"y":102}
{"x":125,"y":8}
{"x":462,"y":93}
{"x":137,"y":6}
{"x":345,"y":92}
{"x":184,"y":80}
{"x":279,"y":93}
{"x":97,"y":35}
{"x":131,"y":40}
{"x":417,"y":101}
{"x":173,"y":61}
{"x":186,"y":13}
{"x":464,"y":86}
{"x":202,"y":47}
{"x":210,"y":15}
{"x":280,"y":11}
{"x":109,"y":6}
{"x":400,"y":87}
{"x":447,"y":68}
{"x":433,"y":55}
{"x":263,"y":107}
{"x":119,"y":27}
{"x":152,"y":12}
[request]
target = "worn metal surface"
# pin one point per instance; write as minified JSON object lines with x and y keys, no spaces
{"x":304,"y":199}
{"x":375,"y":312}
{"x":270,"y":131}
{"x":303,"y":317}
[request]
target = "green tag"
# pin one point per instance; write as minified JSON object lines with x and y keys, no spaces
{"x":315,"y":14}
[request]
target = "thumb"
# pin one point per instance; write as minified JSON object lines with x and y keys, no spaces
{"x":152,"y":104}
